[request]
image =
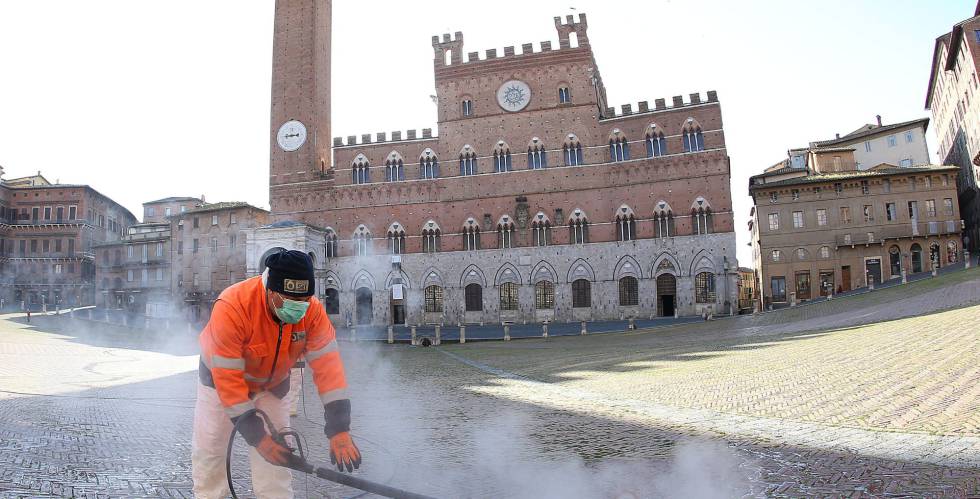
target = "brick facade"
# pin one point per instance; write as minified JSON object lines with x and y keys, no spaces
{"x":47,"y":238}
{"x":584,"y":191}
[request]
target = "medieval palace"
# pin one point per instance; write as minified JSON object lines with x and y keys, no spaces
{"x":536,"y":201}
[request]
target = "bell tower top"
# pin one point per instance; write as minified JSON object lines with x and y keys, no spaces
{"x":300,"y":125}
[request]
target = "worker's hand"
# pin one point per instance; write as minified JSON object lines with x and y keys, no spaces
{"x":276,"y":453}
{"x":344,"y":453}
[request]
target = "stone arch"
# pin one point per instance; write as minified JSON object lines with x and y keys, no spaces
{"x":665,"y":264}
{"x":360,"y":161}
{"x":702,"y":263}
{"x":580,"y":269}
{"x":430,"y":277}
{"x":362,"y":279}
{"x":507,"y":273}
{"x":472,"y":275}
{"x":269,"y":252}
{"x":543,"y":271}
{"x":691,"y":124}
{"x":332,"y":280}
{"x":397,"y":273}
{"x":627,"y":266}
{"x":700,"y":204}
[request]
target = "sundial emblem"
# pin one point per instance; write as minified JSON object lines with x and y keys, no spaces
{"x":514,"y":95}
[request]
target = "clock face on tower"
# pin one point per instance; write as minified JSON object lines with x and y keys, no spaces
{"x":514,"y":95}
{"x":292,"y":135}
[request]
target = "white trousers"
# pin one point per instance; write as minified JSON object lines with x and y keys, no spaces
{"x":212,"y":427}
{"x":295,"y":385}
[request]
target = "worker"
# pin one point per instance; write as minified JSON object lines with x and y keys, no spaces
{"x":258,"y":329}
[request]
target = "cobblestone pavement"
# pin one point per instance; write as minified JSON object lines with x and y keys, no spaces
{"x":822,"y":400}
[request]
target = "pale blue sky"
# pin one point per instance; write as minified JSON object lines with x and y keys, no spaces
{"x":144,"y":100}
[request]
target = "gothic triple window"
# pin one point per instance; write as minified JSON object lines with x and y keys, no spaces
{"x":360,"y":170}
{"x":625,"y":224}
{"x":663,"y":220}
{"x":394,"y":167}
{"x":431,"y":237}
{"x":541,"y":230}
{"x":362,"y":241}
{"x":331,"y":243}
{"x":692,"y":137}
{"x":428,"y":165}
{"x":578,"y":228}
{"x":471,"y":235}
{"x":396,"y":239}
{"x":501,"y":158}
{"x":656,"y":143}
{"x":572,"y":151}
{"x":619,"y":147}
{"x":467,"y":161}
{"x":701,"y":213}
{"x":536,"y":155}
{"x":505,"y":232}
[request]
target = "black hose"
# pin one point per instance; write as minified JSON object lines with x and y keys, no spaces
{"x":324,"y":473}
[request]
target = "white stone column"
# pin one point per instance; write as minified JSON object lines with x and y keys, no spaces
{"x":462,"y":334}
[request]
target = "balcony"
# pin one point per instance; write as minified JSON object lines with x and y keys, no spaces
{"x":882,"y":233}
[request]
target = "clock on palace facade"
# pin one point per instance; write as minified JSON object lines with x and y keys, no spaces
{"x":291,"y":136}
{"x":514,"y":95}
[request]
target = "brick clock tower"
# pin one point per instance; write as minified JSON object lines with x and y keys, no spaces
{"x":300,"y":127}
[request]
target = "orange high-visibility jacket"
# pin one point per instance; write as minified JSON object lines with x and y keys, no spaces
{"x":238,"y":345}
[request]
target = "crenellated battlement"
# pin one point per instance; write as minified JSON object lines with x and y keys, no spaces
{"x":449,"y":49}
{"x":382,"y":137}
{"x":677,"y":102}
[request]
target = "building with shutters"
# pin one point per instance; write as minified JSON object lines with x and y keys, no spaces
{"x":48,"y":235}
{"x":535,"y":201}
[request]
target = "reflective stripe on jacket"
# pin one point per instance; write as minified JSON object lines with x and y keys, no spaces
{"x":238,"y":345}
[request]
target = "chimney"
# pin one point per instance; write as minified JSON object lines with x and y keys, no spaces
{"x":879,"y":119}
{"x":838,"y":135}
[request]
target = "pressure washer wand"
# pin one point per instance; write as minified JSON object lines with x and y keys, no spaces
{"x":357,"y":483}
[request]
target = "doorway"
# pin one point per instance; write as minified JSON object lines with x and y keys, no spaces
{"x":666,"y":293}
{"x":331,"y":301}
{"x":872,"y":269}
{"x":916,"y":258}
{"x":845,"y":278}
{"x":364,"y":306}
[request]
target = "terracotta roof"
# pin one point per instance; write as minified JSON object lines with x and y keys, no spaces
{"x":173,"y":199}
{"x":832,"y":149}
{"x":878,"y":171}
{"x":219,"y":206}
{"x":869,"y":130}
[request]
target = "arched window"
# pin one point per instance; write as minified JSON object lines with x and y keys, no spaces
{"x":508,"y":296}
{"x":802,"y":254}
{"x":501,"y":158}
{"x":629,"y":292}
{"x":362,"y":241}
{"x":663,"y":220}
{"x":895,"y":260}
{"x":428,"y":164}
{"x":777,"y":255}
{"x":619,"y":147}
{"x":704,"y":287}
{"x":581,"y":293}
{"x":692,"y":137}
{"x":625,"y":224}
{"x":536,"y":155}
{"x":825,"y":252}
{"x":541,"y":229}
{"x":572,"y":151}
{"x":578,"y":228}
{"x":544,"y":295}
{"x":394,"y":167}
{"x":330,"y":241}
{"x":505,"y":232}
{"x":360,"y":170}
{"x":701,"y":213}
{"x":473,"y":297}
{"x":467,"y":161}
{"x":471,"y":235}
{"x":952,"y":255}
{"x":433,"y":299}
{"x":431,"y":237}
{"x":396,"y":239}
{"x":564,"y":96}
{"x":656,"y":143}
{"x":916,"y":258}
